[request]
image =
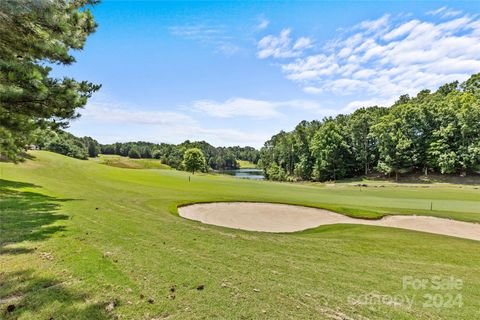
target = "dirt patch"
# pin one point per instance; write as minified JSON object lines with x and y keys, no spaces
{"x":268,"y":217}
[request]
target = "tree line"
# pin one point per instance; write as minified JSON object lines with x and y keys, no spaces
{"x":216,"y":158}
{"x":433,"y":132}
{"x":65,"y":143}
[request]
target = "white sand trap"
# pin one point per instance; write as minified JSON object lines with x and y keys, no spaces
{"x":270,"y":217}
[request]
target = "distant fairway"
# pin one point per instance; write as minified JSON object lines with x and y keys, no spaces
{"x":127,"y":163}
{"x":244,"y":164}
{"x":79,"y":237}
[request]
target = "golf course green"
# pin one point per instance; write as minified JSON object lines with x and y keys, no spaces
{"x":85,"y":240}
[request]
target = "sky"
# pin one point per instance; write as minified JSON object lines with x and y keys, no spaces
{"x":236,"y":73}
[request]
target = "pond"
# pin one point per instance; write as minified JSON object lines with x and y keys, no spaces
{"x":251,"y":173}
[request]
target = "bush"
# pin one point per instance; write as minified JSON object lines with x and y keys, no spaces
{"x":276,"y":173}
{"x":156,"y":154}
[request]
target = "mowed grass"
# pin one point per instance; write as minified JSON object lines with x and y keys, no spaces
{"x":78,"y":238}
{"x":128,"y":163}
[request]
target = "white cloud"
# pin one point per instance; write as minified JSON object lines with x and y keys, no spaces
{"x":311,"y":67}
{"x":354,"y":105}
{"x":313,"y":90}
{"x":374,"y":25}
{"x":237,"y":107}
{"x":226,"y":137}
{"x":302,"y":43}
{"x":387,"y":57}
{"x":110,"y":121}
{"x":242,"y":107}
{"x":401,"y":30}
{"x":106,"y":111}
{"x":282,"y":46}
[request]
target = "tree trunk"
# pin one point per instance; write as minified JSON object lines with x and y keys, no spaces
{"x":396,"y":175}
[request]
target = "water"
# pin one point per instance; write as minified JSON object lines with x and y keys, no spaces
{"x":255,"y":174}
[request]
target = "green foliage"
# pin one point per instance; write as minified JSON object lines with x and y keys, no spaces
{"x":331,"y":152}
{"x":32,"y":34}
{"x":276,"y":173}
{"x":65,"y":143}
{"x":194,"y":160}
{"x":217,"y":158}
{"x":92,"y":146}
{"x":431,"y":132}
{"x":66,"y":147}
{"x":157,"y":154}
{"x":472,"y":85}
{"x":134,"y":153}
{"x":362,"y":143}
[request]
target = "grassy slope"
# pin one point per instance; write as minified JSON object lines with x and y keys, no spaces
{"x":60,"y":256}
{"x":127,"y":163}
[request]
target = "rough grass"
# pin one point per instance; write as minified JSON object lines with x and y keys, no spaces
{"x":78,"y":237}
{"x":128,"y":163}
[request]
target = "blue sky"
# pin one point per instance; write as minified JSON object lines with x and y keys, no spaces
{"x":235,"y":73}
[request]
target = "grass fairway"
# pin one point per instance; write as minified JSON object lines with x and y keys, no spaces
{"x":78,"y":238}
{"x":244,"y":164}
{"x":128,"y":163}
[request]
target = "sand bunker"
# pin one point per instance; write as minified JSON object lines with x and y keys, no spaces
{"x":270,"y":217}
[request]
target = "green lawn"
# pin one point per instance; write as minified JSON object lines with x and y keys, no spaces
{"x":76,"y":236}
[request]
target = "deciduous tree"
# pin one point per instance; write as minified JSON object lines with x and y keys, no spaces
{"x":194,"y":160}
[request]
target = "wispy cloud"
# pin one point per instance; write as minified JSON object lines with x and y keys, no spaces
{"x":386,"y":57}
{"x":105,"y":110}
{"x":117,"y":122}
{"x":282,"y":46}
{"x":444,"y":12}
{"x":237,"y":107}
{"x":252,"y":108}
{"x":436,"y":11}
{"x":263,"y":23}
{"x":216,"y":36}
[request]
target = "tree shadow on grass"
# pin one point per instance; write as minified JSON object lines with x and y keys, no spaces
{"x":26,"y":294}
{"x":31,"y":216}
{"x":26,"y":216}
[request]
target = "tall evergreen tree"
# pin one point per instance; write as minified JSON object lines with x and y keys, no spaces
{"x":33,"y":33}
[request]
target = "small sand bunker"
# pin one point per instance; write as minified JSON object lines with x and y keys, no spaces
{"x":268,"y":217}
